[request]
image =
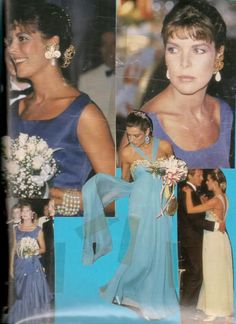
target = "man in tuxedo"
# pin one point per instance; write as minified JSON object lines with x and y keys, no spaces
{"x":190,"y":236}
{"x":48,"y":256}
{"x":99,"y":82}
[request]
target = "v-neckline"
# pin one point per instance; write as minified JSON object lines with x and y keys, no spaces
{"x":143,"y":154}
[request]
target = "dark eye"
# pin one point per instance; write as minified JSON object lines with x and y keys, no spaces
{"x":198,"y":50}
{"x":171,"y":49}
{"x":22,"y":38}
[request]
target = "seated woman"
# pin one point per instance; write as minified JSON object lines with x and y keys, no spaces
{"x":144,"y":279}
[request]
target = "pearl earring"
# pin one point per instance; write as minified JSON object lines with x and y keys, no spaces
{"x":167,"y":74}
{"x":218,"y":76}
{"x":52,"y":53}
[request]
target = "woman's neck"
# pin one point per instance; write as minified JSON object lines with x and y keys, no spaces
{"x":218,"y":191}
{"x":48,"y":84}
{"x":194,"y":104}
{"x":27,"y":224}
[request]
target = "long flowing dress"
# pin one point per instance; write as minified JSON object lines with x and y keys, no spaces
{"x":32,"y":291}
{"x":216,"y":294}
{"x":144,"y":278}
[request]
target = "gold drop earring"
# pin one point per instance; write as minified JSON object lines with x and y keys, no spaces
{"x":219,"y":66}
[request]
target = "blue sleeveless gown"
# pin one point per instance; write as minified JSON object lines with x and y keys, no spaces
{"x":144,"y":279}
{"x":32,"y":291}
{"x":59,"y":132}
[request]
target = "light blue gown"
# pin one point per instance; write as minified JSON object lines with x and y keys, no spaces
{"x":144,"y":279}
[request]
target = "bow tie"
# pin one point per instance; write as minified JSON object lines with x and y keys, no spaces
{"x":17,"y":93}
{"x":109,"y":72}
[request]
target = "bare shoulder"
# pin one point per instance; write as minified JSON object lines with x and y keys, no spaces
{"x":156,"y":104}
{"x":165,"y":144}
{"x":92,"y":114}
{"x":126,"y":153}
{"x":150,"y":106}
{"x":165,"y":147}
{"x":212,"y":102}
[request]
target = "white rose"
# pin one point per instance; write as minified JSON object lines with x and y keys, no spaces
{"x":41,"y":146}
{"x":31,"y":148}
{"x":20,"y":154}
{"x":12,"y":167}
{"x":49,"y":153}
{"x":37,"y":162}
{"x":23,"y":139}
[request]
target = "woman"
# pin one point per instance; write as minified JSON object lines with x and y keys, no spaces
{"x":32,"y":292}
{"x":144,"y":280}
{"x":197,"y":125}
{"x":39,"y":45}
{"x":216,"y":294}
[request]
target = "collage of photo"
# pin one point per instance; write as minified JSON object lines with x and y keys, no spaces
{"x":118,"y":161}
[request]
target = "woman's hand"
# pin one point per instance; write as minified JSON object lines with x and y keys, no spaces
{"x":187,"y":189}
{"x":57,"y":194}
{"x":172,"y":206}
{"x":11,"y":272}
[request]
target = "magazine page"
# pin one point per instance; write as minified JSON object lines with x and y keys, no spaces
{"x":118,"y":161}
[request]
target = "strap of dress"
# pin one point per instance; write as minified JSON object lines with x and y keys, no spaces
{"x":144,"y":155}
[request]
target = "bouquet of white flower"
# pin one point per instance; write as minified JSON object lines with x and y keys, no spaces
{"x":28,"y":165}
{"x":172,"y":171}
{"x":27,"y":247}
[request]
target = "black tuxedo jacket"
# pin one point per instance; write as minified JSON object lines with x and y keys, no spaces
{"x":191,"y":226}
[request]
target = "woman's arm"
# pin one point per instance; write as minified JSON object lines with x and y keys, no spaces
{"x":13,"y":252}
{"x":123,"y":143}
{"x":41,"y":242}
{"x":125,"y":164}
{"x":191,"y":209}
{"x":95,"y":137}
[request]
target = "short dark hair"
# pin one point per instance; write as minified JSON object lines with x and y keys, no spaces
{"x":197,"y":19}
{"x":47,"y":18}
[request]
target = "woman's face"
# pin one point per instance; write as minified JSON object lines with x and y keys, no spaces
{"x":26,"y":213}
{"x":190,"y":63}
{"x":135,"y":135}
{"x":210,"y":183}
{"x":26,"y":50}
